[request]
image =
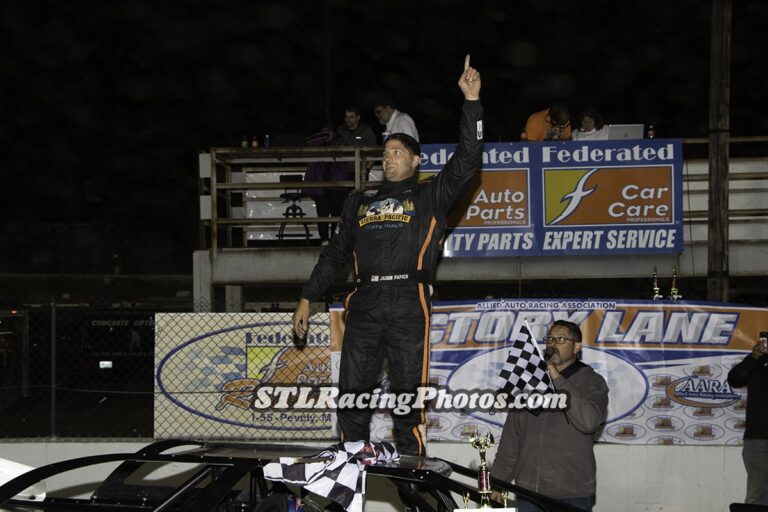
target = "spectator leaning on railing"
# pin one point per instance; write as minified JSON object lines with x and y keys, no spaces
{"x":553,"y":123}
{"x":394,"y":120}
{"x":590,"y":126}
{"x":328,"y":201}
{"x":354,"y":133}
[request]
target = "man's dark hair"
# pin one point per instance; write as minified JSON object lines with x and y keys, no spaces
{"x":594,"y":114}
{"x":409,"y":142}
{"x":559,"y":113}
{"x":353,"y":108}
{"x":385,"y":102}
{"x":573,"y":330}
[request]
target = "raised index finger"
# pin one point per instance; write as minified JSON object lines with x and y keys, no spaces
{"x":466,"y":62}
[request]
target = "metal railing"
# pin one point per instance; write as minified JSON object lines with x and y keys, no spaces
{"x":226,"y":161}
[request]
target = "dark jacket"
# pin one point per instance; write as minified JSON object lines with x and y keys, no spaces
{"x":361,"y":136}
{"x":753,"y":373}
{"x":552,"y":453}
{"x":397,"y":229}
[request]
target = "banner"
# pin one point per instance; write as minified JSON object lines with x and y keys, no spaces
{"x":666,"y":364}
{"x":568,"y":198}
{"x":209,"y":368}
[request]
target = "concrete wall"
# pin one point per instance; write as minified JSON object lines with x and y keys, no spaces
{"x":630,"y":478}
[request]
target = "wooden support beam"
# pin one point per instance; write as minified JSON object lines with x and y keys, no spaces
{"x":719,"y":126}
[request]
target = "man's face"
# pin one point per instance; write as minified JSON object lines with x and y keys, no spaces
{"x":565,"y":353}
{"x":383,"y":113}
{"x":351,"y":120}
{"x":399,"y":163}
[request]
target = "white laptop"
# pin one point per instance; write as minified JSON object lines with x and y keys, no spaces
{"x":625,"y":131}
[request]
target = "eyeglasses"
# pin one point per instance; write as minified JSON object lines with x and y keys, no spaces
{"x":557,"y":339}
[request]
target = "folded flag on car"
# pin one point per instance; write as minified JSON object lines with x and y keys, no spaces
{"x":336,"y":473}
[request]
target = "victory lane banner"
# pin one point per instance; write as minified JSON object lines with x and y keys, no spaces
{"x":666,"y":364}
{"x":568,"y":198}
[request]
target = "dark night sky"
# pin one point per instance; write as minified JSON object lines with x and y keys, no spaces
{"x":104,"y":105}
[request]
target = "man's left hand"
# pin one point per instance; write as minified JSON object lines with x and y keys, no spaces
{"x":469,"y":83}
{"x":759,"y":350}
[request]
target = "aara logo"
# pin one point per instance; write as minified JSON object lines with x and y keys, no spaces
{"x":702,"y":392}
{"x":608,"y":196}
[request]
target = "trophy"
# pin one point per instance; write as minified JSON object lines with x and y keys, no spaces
{"x":673,"y":295}
{"x":656,"y":290}
{"x":482,"y":443}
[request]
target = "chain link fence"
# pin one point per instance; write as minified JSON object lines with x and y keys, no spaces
{"x":100,"y":371}
{"x":88,"y":371}
{"x":78,"y":371}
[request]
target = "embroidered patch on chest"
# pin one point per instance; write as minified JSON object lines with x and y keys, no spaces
{"x":386,"y":210}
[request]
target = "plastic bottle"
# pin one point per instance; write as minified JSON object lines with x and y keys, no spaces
{"x":255,"y":141}
{"x":651,"y":133}
{"x":244,"y":143}
{"x":267,"y":141}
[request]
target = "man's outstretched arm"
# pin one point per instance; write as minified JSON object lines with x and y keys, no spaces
{"x":468,"y":158}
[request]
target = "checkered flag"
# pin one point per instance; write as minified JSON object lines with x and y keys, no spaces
{"x":525,"y":369}
{"x":337,"y":473}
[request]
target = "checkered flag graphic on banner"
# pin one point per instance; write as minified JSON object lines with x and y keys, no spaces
{"x":338,"y":473}
{"x":525,"y":369}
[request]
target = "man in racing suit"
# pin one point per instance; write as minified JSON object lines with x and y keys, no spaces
{"x":393,"y":234}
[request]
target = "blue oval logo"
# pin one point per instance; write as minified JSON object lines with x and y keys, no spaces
{"x":215,"y":375}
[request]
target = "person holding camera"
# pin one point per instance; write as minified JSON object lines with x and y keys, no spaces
{"x":753,"y":373}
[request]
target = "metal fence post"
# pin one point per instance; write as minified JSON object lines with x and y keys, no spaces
{"x":358,"y":168}
{"x":25,"y":356}
{"x":53,"y":369}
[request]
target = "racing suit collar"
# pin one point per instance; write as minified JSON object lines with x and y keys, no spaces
{"x":399,"y":186}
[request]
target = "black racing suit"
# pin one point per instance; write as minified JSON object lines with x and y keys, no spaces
{"x":394,"y":234}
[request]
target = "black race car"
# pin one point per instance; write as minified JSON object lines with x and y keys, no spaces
{"x":229,"y":477}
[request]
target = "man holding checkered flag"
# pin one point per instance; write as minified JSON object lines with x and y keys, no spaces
{"x":551,"y":453}
{"x":526,"y":369}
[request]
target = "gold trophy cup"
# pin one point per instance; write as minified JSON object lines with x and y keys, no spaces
{"x":673,"y":292}
{"x":482,"y":443}
{"x":656,"y":290}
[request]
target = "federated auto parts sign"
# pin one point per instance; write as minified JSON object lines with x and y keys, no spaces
{"x":564,"y":198}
